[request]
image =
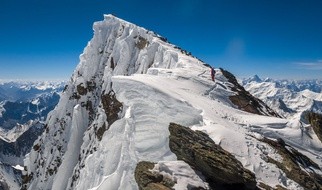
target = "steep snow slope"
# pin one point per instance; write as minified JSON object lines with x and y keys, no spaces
{"x":130,"y":84}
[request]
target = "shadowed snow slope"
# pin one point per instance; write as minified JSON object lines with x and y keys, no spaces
{"x":115,"y":112}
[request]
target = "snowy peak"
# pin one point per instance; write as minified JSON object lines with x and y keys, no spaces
{"x":115,"y":112}
{"x":111,"y":18}
{"x":288,"y":98}
{"x":95,"y":101}
{"x":254,"y":78}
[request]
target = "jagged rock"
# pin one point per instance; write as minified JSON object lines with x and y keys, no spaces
{"x":142,"y":43}
{"x":148,"y":180}
{"x":222,"y":170}
{"x":244,"y":100}
{"x":100,"y":132}
{"x":81,"y":89}
{"x":315,"y":120}
{"x":112,"y":63}
{"x":91,"y":86}
{"x":111,"y":106}
{"x":267,"y":187}
{"x":292,"y":164}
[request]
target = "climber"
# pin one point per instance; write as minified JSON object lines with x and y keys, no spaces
{"x":213,"y":72}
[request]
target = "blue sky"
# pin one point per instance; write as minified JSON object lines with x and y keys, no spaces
{"x":42,"y":39}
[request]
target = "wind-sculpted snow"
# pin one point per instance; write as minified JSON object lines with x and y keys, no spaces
{"x":140,"y":135}
{"x":117,"y":48}
{"x":116,"y":109}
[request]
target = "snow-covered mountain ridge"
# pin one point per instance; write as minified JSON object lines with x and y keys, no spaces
{"x":314,"y":85}
{"x":289,"y":98}
{"x":27,"y":90}
{"x":115,"y":114}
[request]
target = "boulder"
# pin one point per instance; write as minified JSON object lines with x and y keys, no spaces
{"x":221,"y":169}
{"x":148,"y":180}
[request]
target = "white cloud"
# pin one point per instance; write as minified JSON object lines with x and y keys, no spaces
{"x":314,"y":65}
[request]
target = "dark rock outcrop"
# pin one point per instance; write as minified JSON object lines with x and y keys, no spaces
{"x":267,"y":187}
{"x":142,"y":43}
{"x":292,"y":164}
{"x":112,"y":109}
{"x":315,"y":120}
{"x":81,"y":89}
{"x":245,"y":101}
{"x":111,"y":106}
{"x":221,"y":169}
{"x":148,"y":180}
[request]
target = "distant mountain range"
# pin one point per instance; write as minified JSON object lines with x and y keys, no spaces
{"x":289,"y":98}
{"x":314,"y":85}
{"x":27,"y":90}
{"x":23,"y":110}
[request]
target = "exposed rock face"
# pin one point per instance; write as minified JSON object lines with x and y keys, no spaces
{"x":142,"y":43}
{"x":112,"y":109}
{"x":148,"y":180}
{"x":315,"y":120}
{"x":293,"y":164}
{"x":111,"y":106}
{"x":222,"y":170}
{"x":267,"y":187}
{"x":244,"y":100}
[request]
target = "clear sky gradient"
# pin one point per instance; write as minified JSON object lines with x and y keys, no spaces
{"x":42,"y":39}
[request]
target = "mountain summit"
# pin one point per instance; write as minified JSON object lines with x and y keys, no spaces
{"x":140,"y":113}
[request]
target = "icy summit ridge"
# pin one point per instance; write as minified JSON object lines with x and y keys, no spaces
{"x":111,"y":16}
{"x":76,"y":128}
